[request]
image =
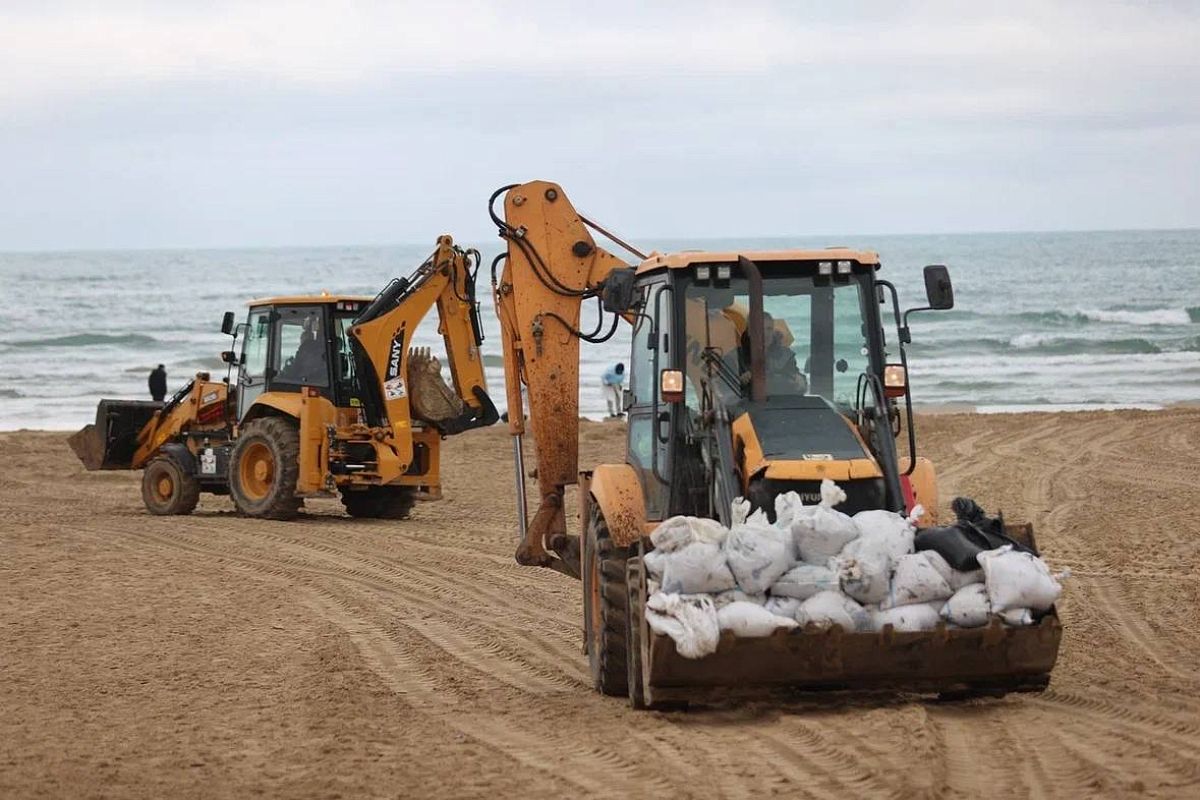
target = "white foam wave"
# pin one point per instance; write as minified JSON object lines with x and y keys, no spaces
{"x":1154,"y":316}
{"x":1025,"y":341}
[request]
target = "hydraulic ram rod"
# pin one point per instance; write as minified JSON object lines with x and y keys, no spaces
{"x":522,"y":507}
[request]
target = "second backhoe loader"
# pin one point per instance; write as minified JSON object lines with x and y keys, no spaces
{"x":751,"y":374}
{"x":325,"y":395}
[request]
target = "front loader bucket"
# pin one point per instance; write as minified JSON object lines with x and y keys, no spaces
{"x":111,"y":442}
{"x":950,"y":661}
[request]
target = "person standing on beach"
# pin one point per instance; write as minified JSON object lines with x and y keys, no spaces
{"x":611,"y":382}
{"x":158,"y":383}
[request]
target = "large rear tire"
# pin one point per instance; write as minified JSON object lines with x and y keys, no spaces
{"x":168,"y":489}
{"x":605,"y":608}
{"x":264,"y":467}
{"x":379,"y":502}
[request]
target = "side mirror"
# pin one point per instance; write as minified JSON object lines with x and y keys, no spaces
{"x":228,"y":323}
{"x":939,"y":292}
{"x":618,"y":292}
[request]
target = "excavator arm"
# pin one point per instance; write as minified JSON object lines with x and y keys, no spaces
{"x":407,"y":380}
{"x":552,"y":267}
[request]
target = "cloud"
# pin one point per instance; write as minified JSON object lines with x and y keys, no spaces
{"x":278,"y":122}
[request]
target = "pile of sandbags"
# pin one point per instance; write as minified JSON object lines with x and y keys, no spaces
{"x":818,"y":566}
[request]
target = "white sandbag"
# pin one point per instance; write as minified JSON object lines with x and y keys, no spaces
{"x":914,"y":580}
{"x":865,"y":577}
{"x":758,"y":554}
{"x":751,"y":619}
{"x":690,"y":620}
{"x":739,"y":509}
{"x":676,"y":532}
{"x":1016,"y":617}
{"x":804,"y":580}
{"x":968,"y":607}
{"x":955,"y":577}
{"x":788,"y":508}
{"x":697,"y":567}
{"x":884,"y":531}
{"x":906,"y":619}
{"x":833,"y":608}
{"x":783,"y":606}
{"x":822,"y":533}
{"x":722,"y":599}
{"x":654,"y":561}
{"x":1018,"y":580}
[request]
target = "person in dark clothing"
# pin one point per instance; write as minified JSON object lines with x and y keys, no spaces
{"x":158,"y":383}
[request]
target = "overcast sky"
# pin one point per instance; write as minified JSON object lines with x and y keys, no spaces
{"x":146,"y":124}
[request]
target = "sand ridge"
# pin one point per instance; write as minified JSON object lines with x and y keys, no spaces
{"x":213,"y":656}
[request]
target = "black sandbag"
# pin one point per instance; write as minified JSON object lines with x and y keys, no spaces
{"x":971,"y":534}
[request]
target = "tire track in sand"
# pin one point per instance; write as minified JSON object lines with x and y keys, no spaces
{"x":589,"y":768}
{"x":515,"y":666}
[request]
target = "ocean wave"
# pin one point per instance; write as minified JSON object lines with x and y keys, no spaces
{"x":1047,"y":344}
{"x":87,"y":340}
{"x":10,"y":394}
{"x":1153,"y":316}
{"x":1079,"y":317}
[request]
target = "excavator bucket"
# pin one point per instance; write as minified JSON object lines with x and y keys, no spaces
{"x":431,"y":398}
{"x":995,"y":659}
{"x":111,"y":442}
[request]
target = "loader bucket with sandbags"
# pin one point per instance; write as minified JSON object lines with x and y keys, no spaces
{"x":917,"y":636}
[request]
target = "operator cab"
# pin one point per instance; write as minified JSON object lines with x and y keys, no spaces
{"x":813,"y":403}
{"x":296,"y":344}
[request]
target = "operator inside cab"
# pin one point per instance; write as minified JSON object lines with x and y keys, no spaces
{"x":308,"y":365}
{"x":813,"y":337}
{"x":783,"y":374}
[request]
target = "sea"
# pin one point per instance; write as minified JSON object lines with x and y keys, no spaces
{"x":1042,"y":321}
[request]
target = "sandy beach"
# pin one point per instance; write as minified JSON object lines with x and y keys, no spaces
{"x":214,"y":656}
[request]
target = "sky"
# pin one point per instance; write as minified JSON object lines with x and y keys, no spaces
{"x":223,"y":124}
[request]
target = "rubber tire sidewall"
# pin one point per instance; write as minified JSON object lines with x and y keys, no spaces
{"x":186,"y":488}
{"x":282,"y":437}
{"x":607,"y":642}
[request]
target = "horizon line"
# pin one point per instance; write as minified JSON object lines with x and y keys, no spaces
{"x":707,"y":238}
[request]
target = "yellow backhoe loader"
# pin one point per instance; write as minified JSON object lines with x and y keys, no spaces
{"x":326,"y":394}
{"x":751,"y":374}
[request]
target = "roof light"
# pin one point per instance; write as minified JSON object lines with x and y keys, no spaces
{"x":843,"y":268}
{"x":723,"y":272}
{"x":825,"y":268}
{"x":703,"y":272}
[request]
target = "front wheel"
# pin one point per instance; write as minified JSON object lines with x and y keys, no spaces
{"x":605,"y":606}
{"x":264,"y":467}
{"x":167,"y":488}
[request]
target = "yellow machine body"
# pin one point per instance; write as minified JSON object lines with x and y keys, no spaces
{"x":356,"y":409}
{"x":704,"y":429}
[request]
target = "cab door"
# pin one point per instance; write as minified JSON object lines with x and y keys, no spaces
{"x":650,"y":419}
{"x":252,"y":378}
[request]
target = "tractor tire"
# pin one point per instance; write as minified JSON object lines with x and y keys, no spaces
{"x":264,"y":467}
{"x":605,"y":604}
{"x":379,"y":502}
{"x":168,"y":489}
{"x":633,"y":622}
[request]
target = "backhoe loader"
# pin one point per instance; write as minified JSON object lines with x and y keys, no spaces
{"x":751,"y":374}
{"x":326,"y":395}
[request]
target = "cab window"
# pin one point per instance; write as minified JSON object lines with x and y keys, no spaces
{"x":301,"y":346}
